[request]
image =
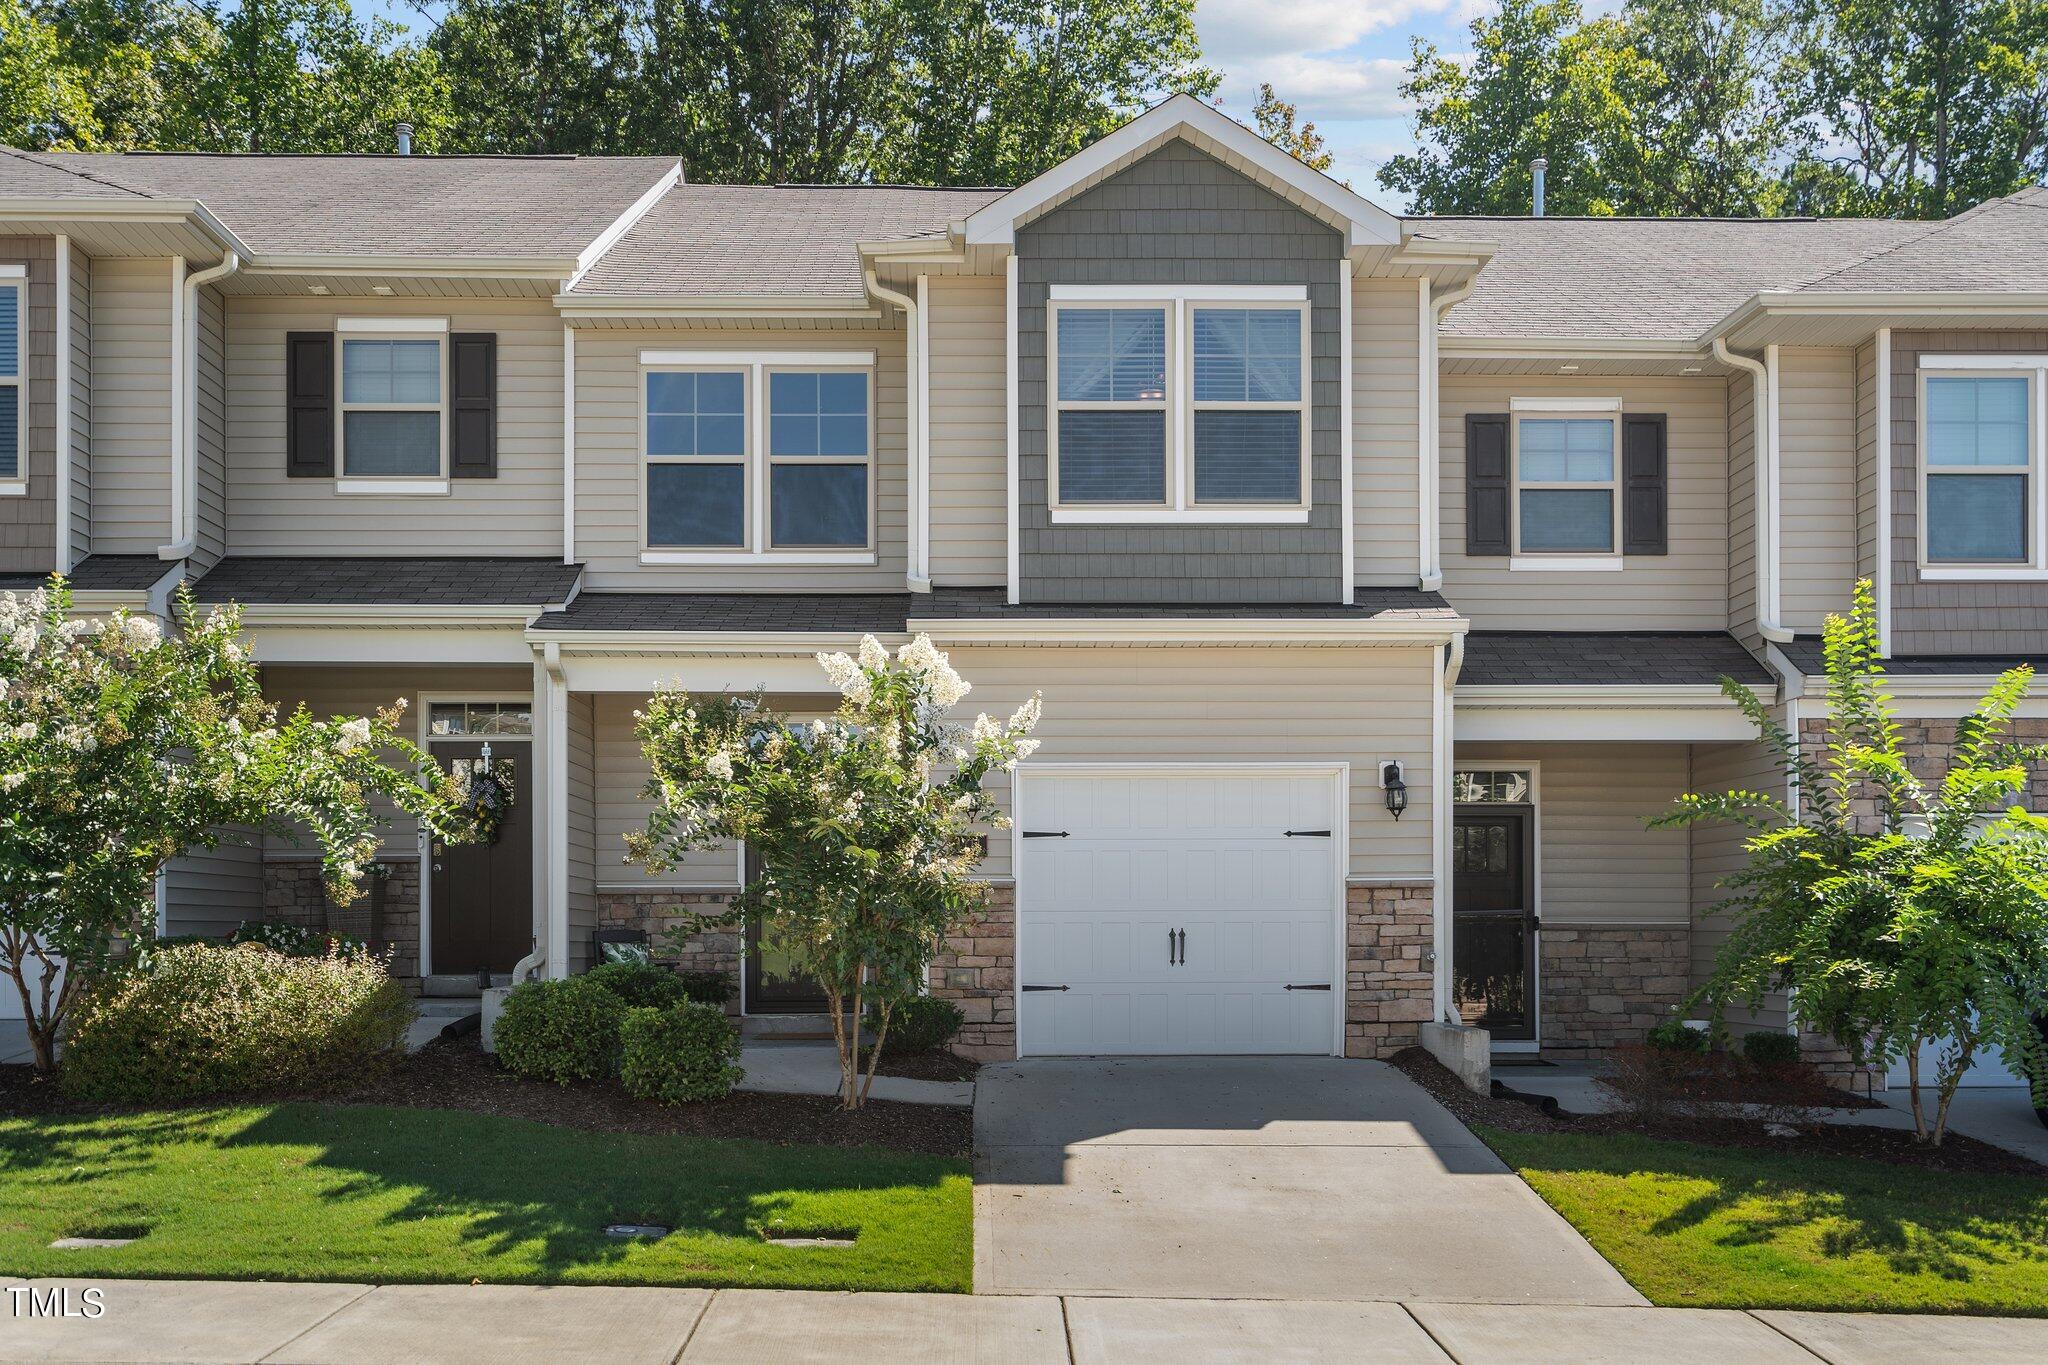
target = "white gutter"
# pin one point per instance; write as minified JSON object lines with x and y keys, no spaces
{"x":1883,"y":586}
{"x":624,"y":223}
{"x":1763,"y":423}
{"x":185,"y":403}
{"x":919,"y":575}
{"x":1430,"y":440}
{"x":63,"y":527}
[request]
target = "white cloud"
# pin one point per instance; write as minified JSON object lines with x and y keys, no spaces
{"x":1323,"y":88}
{"x":1238,"y":31}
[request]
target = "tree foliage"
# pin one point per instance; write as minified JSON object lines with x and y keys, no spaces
{"x":1275,"y":120}
{"x":1898,"y":910}
{"x":122,"y":747}
{"x":864,"y":822}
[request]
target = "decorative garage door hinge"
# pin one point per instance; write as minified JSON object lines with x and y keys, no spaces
{"x":1308,"y":834}
{"x":1046,"y":988}
{"x":1046,"y":834}
{"x":1323,"y":986}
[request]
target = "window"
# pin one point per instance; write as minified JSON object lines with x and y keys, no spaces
{"x":391,"y":409}
{"x":770,"y":456}
{"x":1565,"y":483}
{"x":1979,"y":469}
{"x":1495,"y":786}
{"x":13,"y":405}
{"x":483,"y":719}
{"x":1178,"y":406}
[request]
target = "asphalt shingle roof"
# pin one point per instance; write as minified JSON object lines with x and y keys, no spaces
{"x":1998,"y":247}
{"x":550,"y":207}
{"x":1804,"y":654}
{"x":322,"y":581}
{"x":752,"y":241}
{"x":98,"y":573}
{"x":1517,"y":658}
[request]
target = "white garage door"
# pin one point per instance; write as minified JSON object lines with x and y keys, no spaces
{"x":1163,"y":912}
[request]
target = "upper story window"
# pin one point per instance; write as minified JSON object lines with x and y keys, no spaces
{"x":1564,"y":485}
{"x":764,"y":456}
{"x":13,"y":405}
{"x":392,"y":409}
{"x":1981,"y":467}
{"x":1177,"y":406}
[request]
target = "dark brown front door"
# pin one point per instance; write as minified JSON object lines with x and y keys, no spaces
{"x":483,"y":893}
{"x":1493,"y":927}
{"x":772,"y":987}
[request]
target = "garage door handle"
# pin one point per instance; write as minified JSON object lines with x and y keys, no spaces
{"x":1308,"y":834}
{"x":1047,"y":988}
{"x":1323,"y":987}
{"x":1046,"y":834}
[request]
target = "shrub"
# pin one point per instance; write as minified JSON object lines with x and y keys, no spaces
{"x":639,"y":983}
{"x":687,"y":1052}
{"x":1673,"y":1036}
{"x":203,"y":1019}
{"x":1660,"y":1084}
{"x":294,"y":940}
{"x":920,"y":1024}
{"x":561,"y":1031}
{"x":709,"y":988}
{"x":1762,"y":1049}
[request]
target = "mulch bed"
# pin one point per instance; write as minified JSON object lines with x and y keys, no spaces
{"x":938,"y":1065}
{"x":455,"y":1073}
{"x":1890,"y":1145}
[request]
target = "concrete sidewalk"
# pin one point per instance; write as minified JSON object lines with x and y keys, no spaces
{"x":340,"y":1324}
{"x":813,"y":1069}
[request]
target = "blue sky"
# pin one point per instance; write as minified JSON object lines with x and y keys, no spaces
{"x":1340,"y":61}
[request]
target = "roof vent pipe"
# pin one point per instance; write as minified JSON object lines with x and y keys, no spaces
{"x":405,"y":144}
{"x":1536,"y":170}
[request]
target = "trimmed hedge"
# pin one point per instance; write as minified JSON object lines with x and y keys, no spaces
{"x":562,"y":1031}
{"x":641,"y":984}
{"x":1770,"y":1049}
{"x":191,"y":1020}
{"x":920,"y":1025}
{"x":681,"y":1054}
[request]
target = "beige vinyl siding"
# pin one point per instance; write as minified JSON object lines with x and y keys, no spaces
{"x":1386,"y":369}
{"x":81,"y":404}
{"x":968,"y":431}
{"x":212,"y":891}
{"x":1717,"y":853}
{"x":517,"y":513}
{"x":210,"y":450}
{"x":1867,"y":464}
{"x":28,"y":522}
{"x":608,"y":464}
{"x":1598,"y":863}
{"x":1683,"y":590}
{"x":1231,"y":705}
{"x":622,"y":808}
{"x":131,"y":406}
{"x":1742,"y":613}
{"x":1817,"y":486}
{"x":582,"y":828}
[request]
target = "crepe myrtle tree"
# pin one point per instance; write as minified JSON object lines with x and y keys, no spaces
{"x":1897,"y":910}
{"x":863,"y":822}
{"x":123,"y":746}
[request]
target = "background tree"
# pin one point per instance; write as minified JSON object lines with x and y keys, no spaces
{"x":1274,"y":118}
{"x":1928,"y":924}
{"x":122,"y":747}
{"x":540,"y":76}
{"x":44,"y":101}
{"x":863,"y":823}
{"x":1725,"y":110}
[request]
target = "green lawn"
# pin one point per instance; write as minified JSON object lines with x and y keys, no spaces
{"x":1696,"y":1226}
{"x":328,"y":1192}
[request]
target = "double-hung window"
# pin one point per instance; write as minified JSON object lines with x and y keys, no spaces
{"x":1175,"y":404}
{"x":393,"y":409}
{"x":1981,"y":465}
{"x":1567,"y":501}
{"x":768,"y":456}
{"x":13,"y":398}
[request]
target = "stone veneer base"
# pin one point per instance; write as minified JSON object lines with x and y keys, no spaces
{"x":1602,"y":986}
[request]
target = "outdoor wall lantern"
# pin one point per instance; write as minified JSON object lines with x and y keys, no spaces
{"x":1396,"y":787}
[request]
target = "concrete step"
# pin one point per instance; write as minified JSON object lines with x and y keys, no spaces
{"x":787,"y":1027}
{"x":458,"y":987}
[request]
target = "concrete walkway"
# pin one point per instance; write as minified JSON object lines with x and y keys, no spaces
{"x":813,"y":1069}
{"x":1272,"y":1178}
{"x":344,"y":1324}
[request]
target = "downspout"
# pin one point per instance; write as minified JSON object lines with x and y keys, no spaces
{"x":919,"y":575}
{"x":185,"y":409}
{"x":1430,"y":441}
{"x":1763,"y":423}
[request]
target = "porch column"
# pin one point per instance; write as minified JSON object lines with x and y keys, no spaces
{"x":550,"y":814}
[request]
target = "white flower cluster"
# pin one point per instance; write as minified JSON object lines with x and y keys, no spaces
{"x":719,"y":765}
{"x":354,"y":734}
{"x":946,"y":686}
{"x":848,"y":676}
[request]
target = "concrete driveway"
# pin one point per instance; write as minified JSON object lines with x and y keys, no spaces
{"x":1266,"y":1177}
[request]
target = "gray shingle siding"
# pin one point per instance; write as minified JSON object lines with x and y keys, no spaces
{"x":28,"y":525}
{"x":1179,"y":217}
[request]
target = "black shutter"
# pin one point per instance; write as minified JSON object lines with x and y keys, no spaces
{"x":1644,"y":483}
{"x":309,"y":404}
{"x":473,"y":405}
{"x":1486,"y":484}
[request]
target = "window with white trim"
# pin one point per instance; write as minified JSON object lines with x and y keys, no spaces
{"x":1181,"y":407}
{"x":1567,"y":490}
{"x":392,"y":412}
{"x":765,"y":456}
{"x":1980,"y":469}
{"x":13,"y":401}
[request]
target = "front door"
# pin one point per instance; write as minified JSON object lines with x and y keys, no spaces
{"x":1493,"y":933}
{"x":482,"y":906}
{"x":772,"y":985}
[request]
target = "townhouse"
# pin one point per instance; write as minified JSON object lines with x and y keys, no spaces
{"x":1378,"y":573}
